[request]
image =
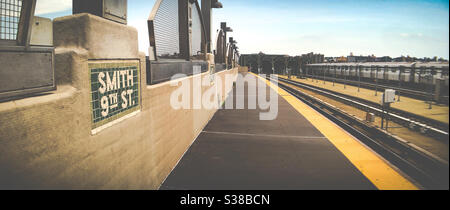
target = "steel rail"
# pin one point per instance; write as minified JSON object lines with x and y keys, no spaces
{"x":430,"y":172}
{"x":429,"y":126}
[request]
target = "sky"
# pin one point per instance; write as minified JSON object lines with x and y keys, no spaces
{"x":418,"y":28}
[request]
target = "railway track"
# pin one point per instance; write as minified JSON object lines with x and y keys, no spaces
{"x":417,"y":94}
{"x":434,"y":128}
{"x":427,"y":170}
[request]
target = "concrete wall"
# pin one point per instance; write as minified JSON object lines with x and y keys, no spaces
{"x":46,"y":141}
{"x":100,"y":37}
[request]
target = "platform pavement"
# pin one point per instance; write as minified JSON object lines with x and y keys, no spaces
{"x":237,"y":151}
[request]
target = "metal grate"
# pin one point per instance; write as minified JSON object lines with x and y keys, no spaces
{"x":196,"y":31}
{"x":166,"y":30}
{"x":9,"y":18}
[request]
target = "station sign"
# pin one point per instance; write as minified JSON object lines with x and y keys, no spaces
{"x":115,"y":92}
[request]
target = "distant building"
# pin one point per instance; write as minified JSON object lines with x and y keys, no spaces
{"x":400,"y":59}
{"x":383,"y":59}
{"x":256,"y":61}
{"x":342,"y":59}
{"x":330,"y":60}
{"x":312,"y":58}
{"x":370,"y":58}
{"x":442,"y":60}
{"x":280,"y":63}
{"x":359,"y":59}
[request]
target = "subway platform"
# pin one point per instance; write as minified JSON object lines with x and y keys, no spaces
{"x":299,"y":150}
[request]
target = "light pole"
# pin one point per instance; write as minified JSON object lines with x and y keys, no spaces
{"x":358,"y":67}
{"x":207,"y":6}
{"x":376,"y":81}
{"x":400,"y":69}
{"x":225,"y":29}
{"x":231,"y":52}
{"x":345,"y":77}
{"x":335,"y":74}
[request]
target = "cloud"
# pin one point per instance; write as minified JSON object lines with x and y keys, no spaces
{"x":52,"y":6}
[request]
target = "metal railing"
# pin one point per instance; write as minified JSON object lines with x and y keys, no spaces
{"x":25,"y":69}
{"x":178,"y":41}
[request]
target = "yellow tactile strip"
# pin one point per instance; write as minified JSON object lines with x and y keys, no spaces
{"x":380,"y":173}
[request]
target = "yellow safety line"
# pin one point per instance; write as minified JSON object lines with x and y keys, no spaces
{"x":380,"y":173}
